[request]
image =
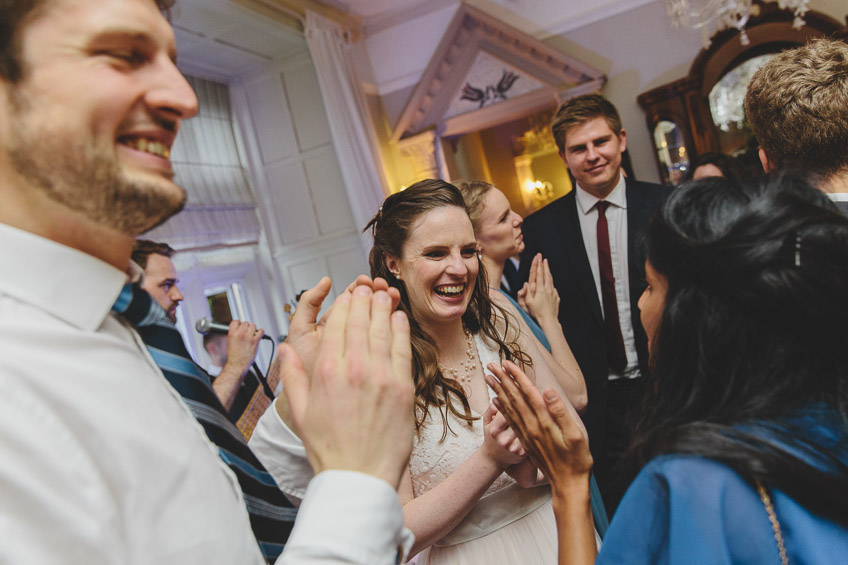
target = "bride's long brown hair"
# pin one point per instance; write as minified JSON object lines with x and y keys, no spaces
{"x":391,"y":228}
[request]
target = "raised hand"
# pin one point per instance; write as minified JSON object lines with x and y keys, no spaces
{"x":354,"y":411}
{"x":305,"y":328}
{"x":539,"y":296}
{"x":242,"y":342}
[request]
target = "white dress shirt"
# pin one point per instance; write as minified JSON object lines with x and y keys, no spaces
{"x":282,"y":453}
{"x":365,"y":507}
{"x":616,"y":215}
{"x":102,"y":461}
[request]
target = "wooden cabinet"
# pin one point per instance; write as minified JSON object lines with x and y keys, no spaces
{"x":678,"y":114}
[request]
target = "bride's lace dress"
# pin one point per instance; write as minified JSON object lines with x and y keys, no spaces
{"x":509,"y":525}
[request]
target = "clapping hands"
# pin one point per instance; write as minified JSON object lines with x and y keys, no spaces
{"x":548,"y":426}
{"x":348,"y":382}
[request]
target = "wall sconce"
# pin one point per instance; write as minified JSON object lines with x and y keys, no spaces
{"x":540,"y":191}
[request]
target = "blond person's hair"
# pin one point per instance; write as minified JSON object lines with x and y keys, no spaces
{"x":797,"y":104}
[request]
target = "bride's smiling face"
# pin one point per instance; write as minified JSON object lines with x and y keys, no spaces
{"x":438,"y":265}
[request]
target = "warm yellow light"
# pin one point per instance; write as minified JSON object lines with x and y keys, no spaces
{"x":529,"y":185}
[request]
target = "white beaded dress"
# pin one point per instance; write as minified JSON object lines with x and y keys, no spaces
{"x":509,"y":524}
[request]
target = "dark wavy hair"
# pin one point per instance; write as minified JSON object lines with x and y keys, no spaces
{"x":391,"y":228}
{"x":752,"y":345}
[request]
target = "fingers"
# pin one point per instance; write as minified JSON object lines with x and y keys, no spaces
{"x":401,"y":347}
{"x":380,"y":336}
{"x":243,"y":338}
{"x":547,"y":280}
{"x":359,"y":320}
{"x":394,"y":294}
{"x":564,"y":416}
{"x":489,"y":415}
{"x":363,"y":280}
{"x":295,"y":382}
{"x":309,"y":305}
{"x":526,"y":393}
{"x":522,"y":296}
{"x":534,"y":266}
{"x":557,"y":408}
{"x":534,"y":278}
{"x":333,"y":338}
{"x":507,"y":394}
{"x":516,"y":447}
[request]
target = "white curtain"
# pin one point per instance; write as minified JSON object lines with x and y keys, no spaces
{"x":349,"y":125}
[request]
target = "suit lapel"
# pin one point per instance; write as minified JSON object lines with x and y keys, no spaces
{"x":572,"y":241}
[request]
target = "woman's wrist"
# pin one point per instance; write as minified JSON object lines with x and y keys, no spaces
{"x":490,"y":460}
{"x":547,"y":321}
{"x":571,"y":493}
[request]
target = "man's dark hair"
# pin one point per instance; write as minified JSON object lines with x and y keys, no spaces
{"x":144,"y":248}
{"x":580,"y":110}
{"x":15,"y":15}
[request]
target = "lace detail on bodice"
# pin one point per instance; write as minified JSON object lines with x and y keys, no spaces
{"x":431,"y":461}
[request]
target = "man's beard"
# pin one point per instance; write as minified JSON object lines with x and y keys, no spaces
{"x":87,"y":178}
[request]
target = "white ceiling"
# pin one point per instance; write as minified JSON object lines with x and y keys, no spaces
{"x":217,"y":39}
{"x":541,"y":18}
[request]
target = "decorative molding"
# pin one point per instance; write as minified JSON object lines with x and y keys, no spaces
{"x":499,"y":113}
{"x":293,"y":13}
{"x":470,"y":33}
{"x":422,"y":150}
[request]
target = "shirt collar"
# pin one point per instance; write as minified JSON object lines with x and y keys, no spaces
{"x":618,"y":197}
{"x":69,"y":284}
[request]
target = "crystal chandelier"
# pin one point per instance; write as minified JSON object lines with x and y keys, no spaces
{"x":700,"y":14}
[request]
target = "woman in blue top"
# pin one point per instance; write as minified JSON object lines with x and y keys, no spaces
{"x":743,"y":447}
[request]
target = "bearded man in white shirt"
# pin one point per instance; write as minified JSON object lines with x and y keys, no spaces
{"x":102,"y":462}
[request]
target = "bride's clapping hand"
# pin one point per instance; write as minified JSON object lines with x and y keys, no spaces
{"x":499,"y":441}
{"x":546,"y":425}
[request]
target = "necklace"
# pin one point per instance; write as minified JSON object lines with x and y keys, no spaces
{"x":467,"y":366}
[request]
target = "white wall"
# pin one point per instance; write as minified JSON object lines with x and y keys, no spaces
{"x":309,"y":228}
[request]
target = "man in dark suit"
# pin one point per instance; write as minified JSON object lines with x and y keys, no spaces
{"x":796,"y":106}
{"x":591,"y":237}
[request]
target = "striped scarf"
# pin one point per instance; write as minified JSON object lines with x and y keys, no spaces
{"x":271,"y":514}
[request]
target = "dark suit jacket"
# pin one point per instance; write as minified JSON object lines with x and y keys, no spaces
{"x":554,"y":231}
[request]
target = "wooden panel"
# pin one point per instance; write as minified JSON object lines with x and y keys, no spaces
{"x":307,"y":107}
{"x":272,"y":123}
{"x":328,"y":193}
{"x":345,"y":267}
{"x":291,"y":206}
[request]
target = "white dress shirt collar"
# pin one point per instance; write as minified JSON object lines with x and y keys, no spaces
{"x":73,"y":286}
{"x":617,"y":197}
